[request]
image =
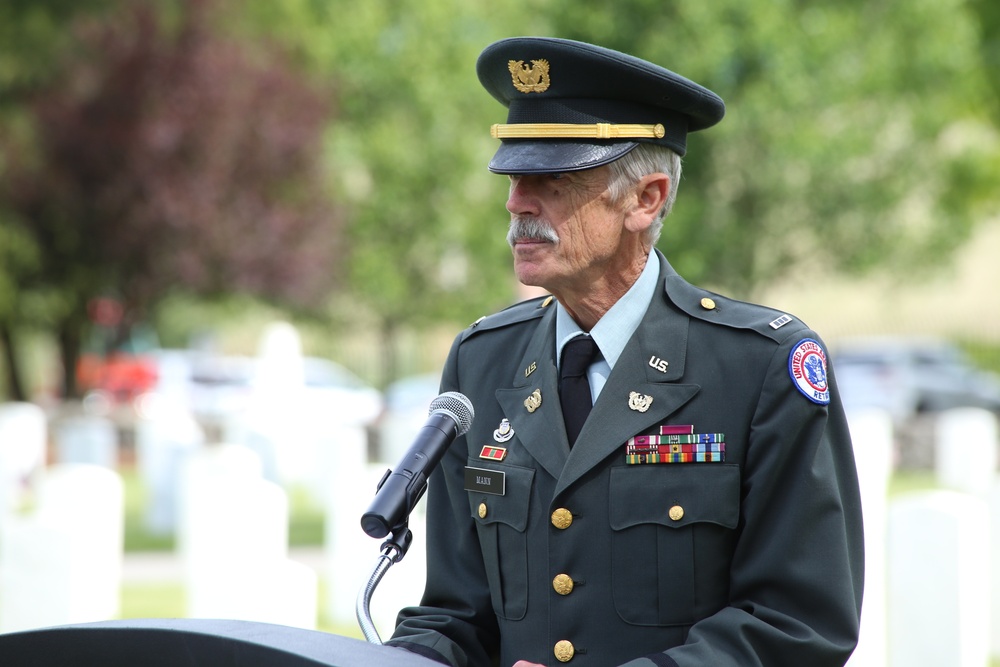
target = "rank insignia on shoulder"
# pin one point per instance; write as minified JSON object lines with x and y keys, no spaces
{"x":780,"y":322}
{"x":807,"y":369}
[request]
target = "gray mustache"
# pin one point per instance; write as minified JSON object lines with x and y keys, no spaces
{"x":527,"y":227}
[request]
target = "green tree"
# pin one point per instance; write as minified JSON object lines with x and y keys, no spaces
{"x":164,"y":159}
{"x":856,"y":137}
{"x":410,"y":147}
{"x":856,"y":134}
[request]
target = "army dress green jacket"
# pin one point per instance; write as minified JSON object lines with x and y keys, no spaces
{"x":579,"y":557}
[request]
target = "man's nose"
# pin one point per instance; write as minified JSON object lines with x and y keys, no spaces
{"x":521,"y":199}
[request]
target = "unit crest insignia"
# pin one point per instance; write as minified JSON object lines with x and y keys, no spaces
{"x":533,"y":78}
{"x":505,"y":432}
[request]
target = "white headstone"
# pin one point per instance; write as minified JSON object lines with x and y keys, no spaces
{"x":938,"y":604}
{"x":165,"y":433}
{"x":966,"y":450}
{"x":62,"y":562}
{"x":23,"y":436}
{"x":872,"y":435}
{"x":275,"y":424}
{"x":994,"y":570}
{"x":234,"y":543}
{"x":352,"y":554}
{"x":87,"y":439}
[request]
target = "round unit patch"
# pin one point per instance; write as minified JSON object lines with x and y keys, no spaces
{"x":807,"y":367}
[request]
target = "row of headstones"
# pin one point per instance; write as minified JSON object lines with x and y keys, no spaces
{"x":61,"y":527}
{"x":61,"y":536}
{"x":929,"y":574}
{"x":931,"y":582}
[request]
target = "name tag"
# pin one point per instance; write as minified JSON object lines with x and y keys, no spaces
{"x":485,"y":481}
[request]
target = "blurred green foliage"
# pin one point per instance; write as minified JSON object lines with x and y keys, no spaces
{"x":859,"y":136}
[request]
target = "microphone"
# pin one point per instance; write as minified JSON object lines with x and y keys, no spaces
{"x":450,"y":416}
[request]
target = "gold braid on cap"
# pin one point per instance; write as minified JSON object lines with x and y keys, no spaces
{"x":571,"y":131}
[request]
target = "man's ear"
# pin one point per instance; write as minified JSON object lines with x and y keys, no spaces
{"x":650,"y":196}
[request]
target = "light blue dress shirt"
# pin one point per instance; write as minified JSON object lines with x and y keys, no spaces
{"x":613,"y":331}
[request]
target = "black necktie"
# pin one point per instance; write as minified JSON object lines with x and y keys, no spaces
{"x":574,"y":387}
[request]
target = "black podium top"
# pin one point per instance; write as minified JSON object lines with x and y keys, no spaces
{"x":188,"y":642}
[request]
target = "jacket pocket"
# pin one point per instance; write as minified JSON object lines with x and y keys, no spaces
{"x":673,"y":529}
{"x":502,"y":521}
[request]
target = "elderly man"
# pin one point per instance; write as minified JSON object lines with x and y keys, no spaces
{"x":657,"y":475}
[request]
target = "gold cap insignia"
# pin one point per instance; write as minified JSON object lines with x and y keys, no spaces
{"x":533,"y":78}
{"x":534,"y":401}
{"x":639,"y":402}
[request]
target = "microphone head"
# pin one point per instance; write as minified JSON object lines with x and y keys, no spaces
{"x":457,"y":406}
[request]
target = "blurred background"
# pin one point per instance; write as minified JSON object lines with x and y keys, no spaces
{"x":237,"y":239}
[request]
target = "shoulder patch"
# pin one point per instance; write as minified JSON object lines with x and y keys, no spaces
{"x":807,"y":369}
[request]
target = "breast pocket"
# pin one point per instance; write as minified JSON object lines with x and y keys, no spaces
{"x":673,"y":530}
{"x":502,"y":522}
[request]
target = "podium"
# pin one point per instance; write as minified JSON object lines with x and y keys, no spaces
{"x":194,"y":643}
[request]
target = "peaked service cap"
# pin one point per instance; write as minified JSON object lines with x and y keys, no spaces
{"x":573,"y":105}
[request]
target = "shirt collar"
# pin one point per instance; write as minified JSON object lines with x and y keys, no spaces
{"x":613,"y":331}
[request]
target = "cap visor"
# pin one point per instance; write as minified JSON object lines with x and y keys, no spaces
{"x":540,"y":157}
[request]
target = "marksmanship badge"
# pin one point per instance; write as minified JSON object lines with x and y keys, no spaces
{"x":807,"y":368}
{"x":533,"y":78}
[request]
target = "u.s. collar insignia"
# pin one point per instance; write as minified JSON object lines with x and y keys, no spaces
{"x":639,"y":402}
{"x":533,"y":78}
{"x":534,"y":401}
{"x":504,"y":432}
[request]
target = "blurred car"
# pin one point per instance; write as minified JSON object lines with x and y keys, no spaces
{"x":908,"y":376}
{"x":216,"y":386}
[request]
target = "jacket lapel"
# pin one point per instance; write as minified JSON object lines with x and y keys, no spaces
{"x":661,"y":337}
{"x":540,"y":431}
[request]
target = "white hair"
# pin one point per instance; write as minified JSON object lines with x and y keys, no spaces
{"x":643,"y":160}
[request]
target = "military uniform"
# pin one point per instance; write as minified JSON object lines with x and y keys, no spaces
{"x":576,"y":555}
{"x":708,"y":513}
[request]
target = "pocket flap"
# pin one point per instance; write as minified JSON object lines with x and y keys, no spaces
{"x":675,"y":495}
{"x":512,"y":507}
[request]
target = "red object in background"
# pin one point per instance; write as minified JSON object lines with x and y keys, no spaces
{"x":122,"y":376}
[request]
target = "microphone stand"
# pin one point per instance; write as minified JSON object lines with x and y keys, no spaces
{"x":393,"y":550}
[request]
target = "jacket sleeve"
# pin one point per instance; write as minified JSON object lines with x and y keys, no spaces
{"x":798,"y":568}
{"x":455,"y":623}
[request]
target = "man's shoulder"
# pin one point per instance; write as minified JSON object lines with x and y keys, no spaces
{"x":522,"y":311}
{"x":721,"y":310}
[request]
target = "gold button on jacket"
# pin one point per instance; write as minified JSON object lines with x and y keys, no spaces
{"x":563,"y":584}
{"x":562,"y":518}
{"x":564,"y":650}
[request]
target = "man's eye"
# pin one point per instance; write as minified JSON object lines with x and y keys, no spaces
{"x":557,"y":176}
